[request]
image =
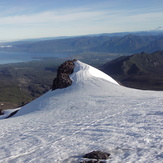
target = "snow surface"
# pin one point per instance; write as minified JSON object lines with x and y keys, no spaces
{"x":8,"y":112}
{"x":94,"y":113}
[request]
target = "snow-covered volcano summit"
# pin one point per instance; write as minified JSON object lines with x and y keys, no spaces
{"x":85,"y":79}
{"x":94,"y":113}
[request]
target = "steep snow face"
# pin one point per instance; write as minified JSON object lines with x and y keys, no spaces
{"x":94,"y":113}
{"x":97,"y":73}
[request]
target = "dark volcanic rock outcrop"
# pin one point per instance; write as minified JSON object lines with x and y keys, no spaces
{"x":96,"y":156}
{"x":64,"y":70}
{"x":1,"y":112}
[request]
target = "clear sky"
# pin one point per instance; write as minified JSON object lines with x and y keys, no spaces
{"x":21,"y":19}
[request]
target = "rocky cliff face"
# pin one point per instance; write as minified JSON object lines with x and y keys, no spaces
{"x":64,"y":70}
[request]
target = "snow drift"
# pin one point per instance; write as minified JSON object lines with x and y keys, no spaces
{"x":94,"y":113}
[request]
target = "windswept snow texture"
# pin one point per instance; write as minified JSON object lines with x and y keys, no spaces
{"x":94,"y":113}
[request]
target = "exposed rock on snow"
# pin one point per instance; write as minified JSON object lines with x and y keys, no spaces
{"x":8,"y":113}
{"x":98,"y":155}
{"x":93,"y":161}
{"x":13,"y":113}
{"x":64,"y":70}
{"x":1,"y":112}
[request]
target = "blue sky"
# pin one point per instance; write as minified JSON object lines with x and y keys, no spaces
{"x":21,"y":19}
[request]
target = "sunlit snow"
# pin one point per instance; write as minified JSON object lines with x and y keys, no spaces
{"x":97,"y":73}
{"x":94,"y":113}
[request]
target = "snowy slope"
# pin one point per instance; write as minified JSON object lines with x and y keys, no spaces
{"x":94,"y":113}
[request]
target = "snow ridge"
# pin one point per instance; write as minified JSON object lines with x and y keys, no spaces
{"x":83,"y":72}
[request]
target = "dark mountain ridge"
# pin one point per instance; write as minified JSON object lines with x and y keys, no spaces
{"x":143,"y":71}
{"x":129,"y":43}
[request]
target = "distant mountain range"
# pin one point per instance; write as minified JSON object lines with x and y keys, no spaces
{"x":143,"y":71}
{"x":131,"y":44}
{"x":110,"y":43}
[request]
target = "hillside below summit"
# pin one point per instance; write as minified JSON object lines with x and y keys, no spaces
{"x":142,"y":70}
